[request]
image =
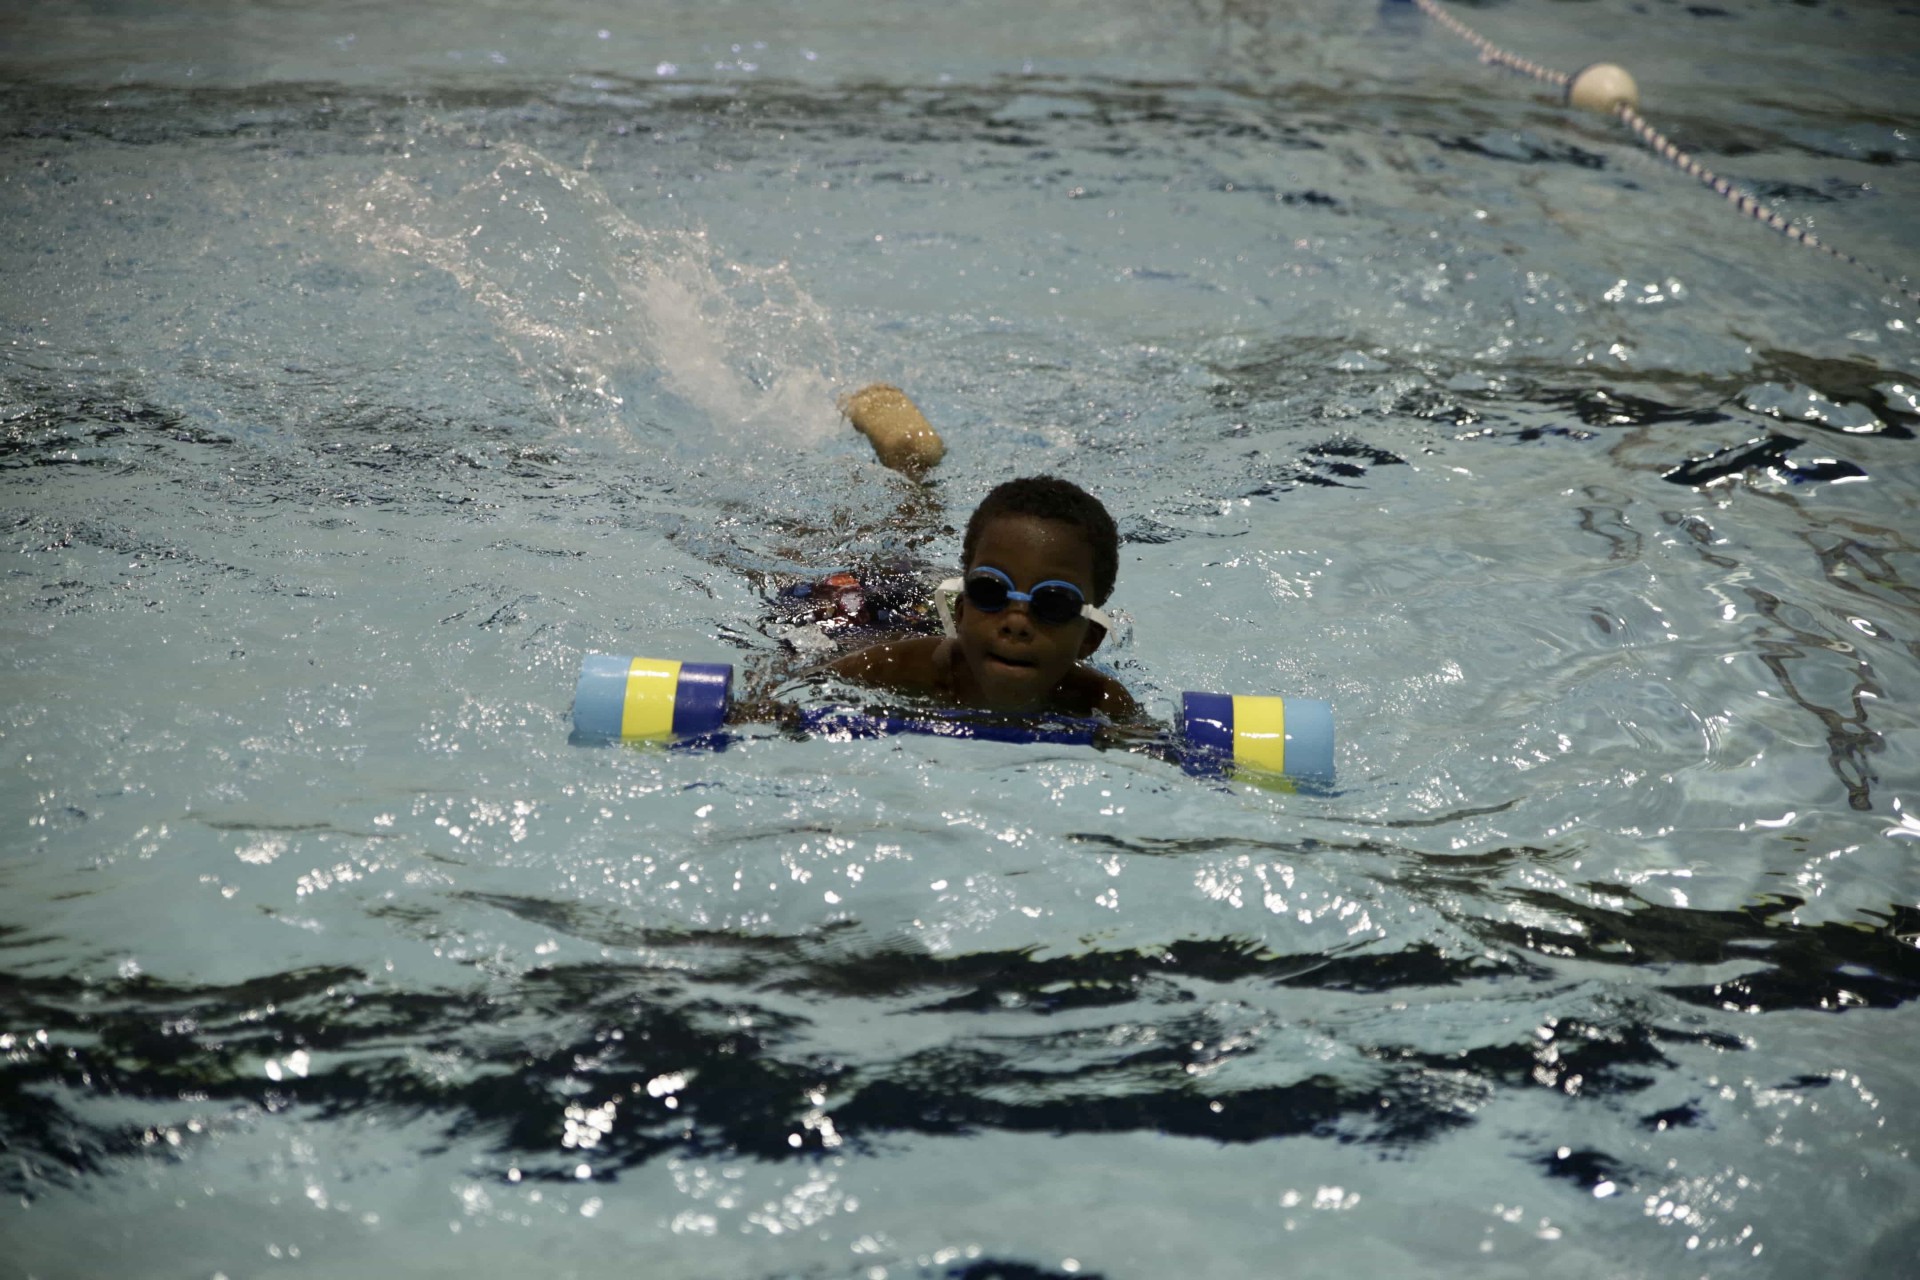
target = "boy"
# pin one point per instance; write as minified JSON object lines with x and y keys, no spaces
{"x":1039,"y":556}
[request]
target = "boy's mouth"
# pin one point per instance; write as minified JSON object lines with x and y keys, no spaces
{"x":1024,"y":664}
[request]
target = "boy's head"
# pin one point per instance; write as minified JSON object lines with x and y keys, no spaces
{"x":1032,"y":535}
{"x":1059,"y":501}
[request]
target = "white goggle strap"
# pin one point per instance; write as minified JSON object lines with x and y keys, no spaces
{"x":943,"y":597}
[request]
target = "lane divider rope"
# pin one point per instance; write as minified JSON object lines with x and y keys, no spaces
{"x":1607,"y":89}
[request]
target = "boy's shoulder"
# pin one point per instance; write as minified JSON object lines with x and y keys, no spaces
{"x":912,"y":665}
{"x":1090,"y":691}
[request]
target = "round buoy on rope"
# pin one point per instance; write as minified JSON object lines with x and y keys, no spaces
{"x":1602,"y":87}
{"x":1609,"y":90}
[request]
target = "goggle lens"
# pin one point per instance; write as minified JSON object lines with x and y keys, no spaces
{"x":1052,"y":603}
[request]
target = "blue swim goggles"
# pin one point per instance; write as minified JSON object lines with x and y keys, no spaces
{"x":1051,"y":603}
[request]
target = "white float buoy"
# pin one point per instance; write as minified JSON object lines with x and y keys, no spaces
{"x":1602,"y":87}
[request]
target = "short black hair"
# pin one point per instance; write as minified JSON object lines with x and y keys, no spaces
{"x":1051,"y":498}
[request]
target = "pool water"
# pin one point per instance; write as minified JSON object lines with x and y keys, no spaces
{"x":365,"y":366}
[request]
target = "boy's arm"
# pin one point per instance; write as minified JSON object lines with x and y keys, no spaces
{"x":915,"y":666}
{"x":900,"y":666}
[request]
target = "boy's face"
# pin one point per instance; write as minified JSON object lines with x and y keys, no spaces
{"x":1014,"y":661}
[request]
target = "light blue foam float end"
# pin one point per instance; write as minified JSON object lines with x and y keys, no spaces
{"x":600,"y":699}
{"x":1309,"y":738}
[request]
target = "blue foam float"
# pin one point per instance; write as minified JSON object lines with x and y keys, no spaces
{"x":627,"y":699}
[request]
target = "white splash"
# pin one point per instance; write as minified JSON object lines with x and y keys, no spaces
{"x":620,"y":326}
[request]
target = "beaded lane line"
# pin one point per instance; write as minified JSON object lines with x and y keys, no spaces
{"x":1656,"y":142}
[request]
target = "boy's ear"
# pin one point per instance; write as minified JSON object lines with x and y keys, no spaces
{"x":1091,"y":641}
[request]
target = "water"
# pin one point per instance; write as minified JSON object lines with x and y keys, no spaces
{"x":366,"y":365}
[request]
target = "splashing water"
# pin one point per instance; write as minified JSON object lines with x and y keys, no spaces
{"x":620,"y":326}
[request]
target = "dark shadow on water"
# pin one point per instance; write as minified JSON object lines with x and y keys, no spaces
{"x":707,"y":1054}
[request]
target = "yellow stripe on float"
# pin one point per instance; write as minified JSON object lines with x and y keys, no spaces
{"x":1260,"y":733}
{"x":647,"y":712}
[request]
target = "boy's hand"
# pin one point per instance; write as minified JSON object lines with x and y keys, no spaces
{"x":901,"y":436}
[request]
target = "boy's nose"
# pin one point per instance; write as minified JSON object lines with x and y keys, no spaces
{"x":1015,"y":618}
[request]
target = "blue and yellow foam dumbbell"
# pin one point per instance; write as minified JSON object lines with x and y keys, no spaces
{"x":621,"y":699}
